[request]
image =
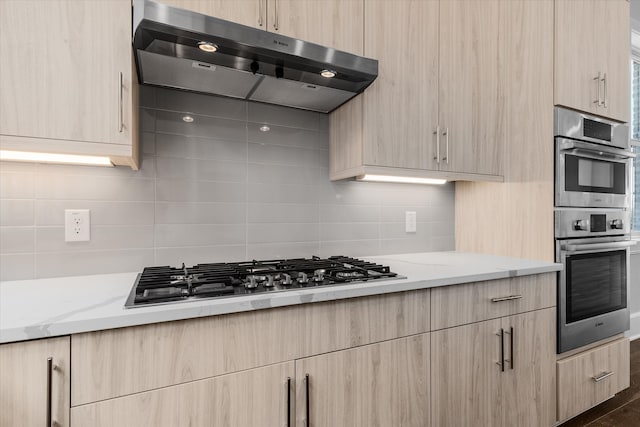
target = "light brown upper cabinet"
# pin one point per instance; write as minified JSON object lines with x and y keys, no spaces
{"x":435,"y":109}
{"x":34,"y":383}
{"x":592,"y":55}
{"x":67,"y":78}
{"x":246,"y":12}
{"x":333,"y":23}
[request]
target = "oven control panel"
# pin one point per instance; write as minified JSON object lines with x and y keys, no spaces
{"x":571,"y":222}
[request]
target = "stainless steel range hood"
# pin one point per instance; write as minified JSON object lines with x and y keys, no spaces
{"x":248,"y":63}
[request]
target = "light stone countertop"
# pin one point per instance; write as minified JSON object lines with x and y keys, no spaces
{"x":40,"y":308}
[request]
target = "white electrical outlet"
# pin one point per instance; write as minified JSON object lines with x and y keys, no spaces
{"x":410,"y":222}
{"x":77,"y":225}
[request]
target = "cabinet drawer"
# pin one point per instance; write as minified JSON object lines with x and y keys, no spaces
{"x":474,"y":302}
{"x":588,"y":378}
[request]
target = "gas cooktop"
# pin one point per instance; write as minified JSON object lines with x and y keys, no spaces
{"x":163,"y":285}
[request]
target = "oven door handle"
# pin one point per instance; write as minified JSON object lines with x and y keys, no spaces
{"x":595,"y":151}
{"x":598,"y":246}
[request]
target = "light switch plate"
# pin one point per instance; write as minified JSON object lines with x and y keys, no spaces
{"x":410,"y":222}
{"x":77,"y":225}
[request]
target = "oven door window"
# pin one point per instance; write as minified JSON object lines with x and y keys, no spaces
{"x":596,"y":284}
{"x":594,"y":176}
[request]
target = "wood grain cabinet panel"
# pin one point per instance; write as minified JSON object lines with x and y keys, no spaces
{"x":591,"y":377}
{"x":436,"y":109}
{"x":401,"y":106}
{"x":474,"y":302}
{"x":177,"y":352}
{"x":471,"y":98}
{"x":480,"y":377}
{"x":67,"y":78}
{"x":592,"y":40}
{"x":334,"y":23}
{"x":384,"y":384}
{"x":246,"y":12}
{"x":257,"y":397}
{"x":23,"y":382}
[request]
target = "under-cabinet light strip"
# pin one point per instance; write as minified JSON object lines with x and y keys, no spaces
{"x":403,"y":179}
{"x":72,"y":159}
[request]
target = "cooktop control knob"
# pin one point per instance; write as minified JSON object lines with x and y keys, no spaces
{"x":269,"y":283}
{"x":302,"y":278}
{"x":581,"y":225}
{"x":286,"y":280}
{"x":318,"y":275}
{"x":616,"y":224}
{"x":251,"y":283}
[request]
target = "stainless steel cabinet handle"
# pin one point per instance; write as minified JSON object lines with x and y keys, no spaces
{"x":446,"y":155}
{"x":604,"y":95}
{"x":287,"y":390}
{"x":509,"y":298}
{"x":511,"y":356}
{"x":120,"y":110}
{"x":260,"y":5}
{"x":602,"y":376}
{"x":501,"y":362}
{"x":307,"y":421}
{"x":597,"y":80}
{"x":437,"y":133}
{"x":275,"y":11}
{"x":49,"y":389}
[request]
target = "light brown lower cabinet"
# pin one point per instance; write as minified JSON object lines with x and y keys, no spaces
{"x":34,"y":383}
{"x":384,"y":384}
{"x":591,"y":377}
{"x":256,"y":397}
{"x":495,"y":373}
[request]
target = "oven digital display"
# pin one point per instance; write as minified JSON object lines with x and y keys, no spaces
{"x":598,"y":223}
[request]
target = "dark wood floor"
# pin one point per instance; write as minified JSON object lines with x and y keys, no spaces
{"x":623,"y":409}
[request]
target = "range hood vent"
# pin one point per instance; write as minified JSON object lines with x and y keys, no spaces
{"x":248,"y":63}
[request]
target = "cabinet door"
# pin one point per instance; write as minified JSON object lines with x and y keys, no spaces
{"x":401,"y":106}
{"x":24,"y":391}
{"x":333,"y":23}
{"x":252,"y":13}
{"x":529,"y":396}
{"x":66,"y":70}
{"x":592,"y":36}
{"x":257,"y":397}
{"x":385,"y":384}
{"x":465,"y":375}
{"x":471,"y":99}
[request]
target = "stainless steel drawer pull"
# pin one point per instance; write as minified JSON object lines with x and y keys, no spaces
{"x":509,"y":298}
{"x":121,"y":108}
{"x":446,"y":155}
{"x":437,"y":133}
{"x":49,"y":389}
{"x":604,"y":96}
{"x":501,"y":362}
{"x":602,"y":376}
{"x":597,"y":79}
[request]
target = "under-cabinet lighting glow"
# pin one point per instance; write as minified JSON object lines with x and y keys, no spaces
{"x":187,"y":119}
{"x":403,"y":179}
{"x":265,"y":128}
{"x":28,"y":156}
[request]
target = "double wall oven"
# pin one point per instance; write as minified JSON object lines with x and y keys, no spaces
{"x":592,"y":227}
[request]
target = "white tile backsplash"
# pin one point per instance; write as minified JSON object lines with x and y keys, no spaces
{"x":214,"y":190}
